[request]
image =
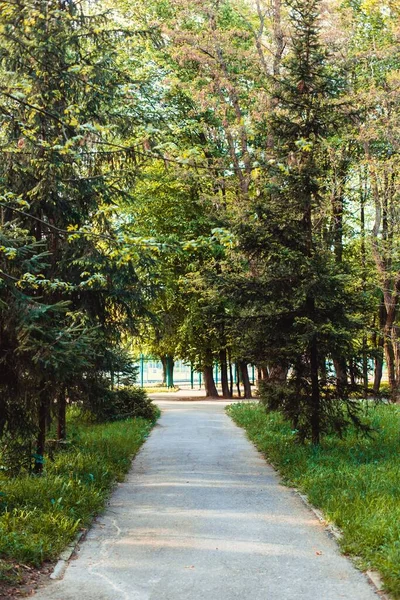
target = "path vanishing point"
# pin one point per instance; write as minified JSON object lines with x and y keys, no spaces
{"x":202,"y":516}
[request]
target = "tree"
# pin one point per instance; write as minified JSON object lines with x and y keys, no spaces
{"x":303,"y":286}
{"x":66,"y":278}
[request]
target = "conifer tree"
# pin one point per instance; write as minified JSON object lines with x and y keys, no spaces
{"x":305,"y":308}
{"x":64,"y":142}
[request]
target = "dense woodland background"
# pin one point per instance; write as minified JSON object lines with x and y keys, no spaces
{"x":215,"y":181}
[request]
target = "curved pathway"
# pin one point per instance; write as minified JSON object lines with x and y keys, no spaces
{"x":202,"y":516}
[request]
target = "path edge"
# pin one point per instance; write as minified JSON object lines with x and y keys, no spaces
{"x":65,"y":556}
{"x":373,"y":577}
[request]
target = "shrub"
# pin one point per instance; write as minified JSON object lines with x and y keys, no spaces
{"x":104,"y":404}
{"x":293,"y":399}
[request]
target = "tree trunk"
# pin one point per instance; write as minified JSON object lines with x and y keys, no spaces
{"x":224,"y":374}
{"x":340,"y":366}
{"x":323,"y":370}
{"x":379,"y":348}
{"x":353,"y":375}
{"x":41,"y":436}
{"x":238,"y":380}
{"x":363,"y":197}
{"x":231,"y":382}
{"x":170,"y":371}
{"x":62,"y":421}
{"x":49,"y":417}
{"x":278,"y":36}
{"x":277,"y":374}
{"x":365,"y":366}
{"x":315,"y":394}
{"x":245,"y":379}
{"x":390,"y":364}
{"x":112,"y":374}
{"x":265,"y":373}
{"x":389,"y":336}
{"x":396,"y":348}
{"x":378,"y":371}
{"x":209,"y":383}
{"x":163,"y":359}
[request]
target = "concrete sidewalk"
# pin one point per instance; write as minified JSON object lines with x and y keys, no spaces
{"x":202,"y":516}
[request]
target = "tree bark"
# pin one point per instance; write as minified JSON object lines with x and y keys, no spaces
{"x":245,"y":378}
{"x":378,"y":342}
{"x":224,"y":374}
{"x":238,"y":380}
{"x":163,"y":359}
{"x":340,"y":366}
{"x":41,"y":435}
{"x":209,"y":383}
{"x":353,"y":375}
{"x":170,"y":371}
{"x":231,"y":382}
{"x":378,"y":371}
{"x":363,"y":197}
{"x":62,"y":409}
{"x":365,"y":366}
{"x":277,"y":374}
{"x":315,"y":394}
{"x":390,"y":356}
{"x":383,"y":190}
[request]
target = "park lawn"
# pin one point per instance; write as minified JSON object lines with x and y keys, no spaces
{"x":161,"y":389}
{"x":355,"y":481}
{"x":40,"y":515}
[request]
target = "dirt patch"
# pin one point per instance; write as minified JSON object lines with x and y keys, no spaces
{"x":26,"y":580}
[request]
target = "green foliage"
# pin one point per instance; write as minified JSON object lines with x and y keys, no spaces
{"x":69,"y":289}
{"x":354,"y":480}
{"x":292,"y":399}
{"x":39,"y":516}
{"x":105,"y":404}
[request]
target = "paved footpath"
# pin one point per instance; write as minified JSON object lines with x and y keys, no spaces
{"x":201,"y":516}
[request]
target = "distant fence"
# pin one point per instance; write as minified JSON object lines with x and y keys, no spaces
{"x":151,"y":373}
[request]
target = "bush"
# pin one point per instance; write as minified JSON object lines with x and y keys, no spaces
{"x":104,"y":404}
{"x":293,"y":399}
{"x":17,"y":454}
{"x":134,"y":402}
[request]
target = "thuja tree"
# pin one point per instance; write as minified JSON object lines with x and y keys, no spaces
{"x":63,"y":93}
{"x":305,"y":309}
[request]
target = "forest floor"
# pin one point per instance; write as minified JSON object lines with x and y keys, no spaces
{"x":202,"y":515}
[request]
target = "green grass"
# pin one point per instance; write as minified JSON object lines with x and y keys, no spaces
{"x":355,"y":481}
{"x":156,"y":389}
{"x":40,"y":515}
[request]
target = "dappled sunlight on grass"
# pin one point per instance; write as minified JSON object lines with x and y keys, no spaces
{"x":39,"y":516}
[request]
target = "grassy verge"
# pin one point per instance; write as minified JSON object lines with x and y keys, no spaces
{"x":39,"y":516}
{"x":355,"y":481}
{"x":161,"y":389}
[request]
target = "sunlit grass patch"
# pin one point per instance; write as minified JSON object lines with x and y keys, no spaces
{"x":354,"y":480}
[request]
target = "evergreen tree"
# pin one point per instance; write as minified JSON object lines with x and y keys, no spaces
{"x":65,"y":78}
{"x":304,"y":289}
